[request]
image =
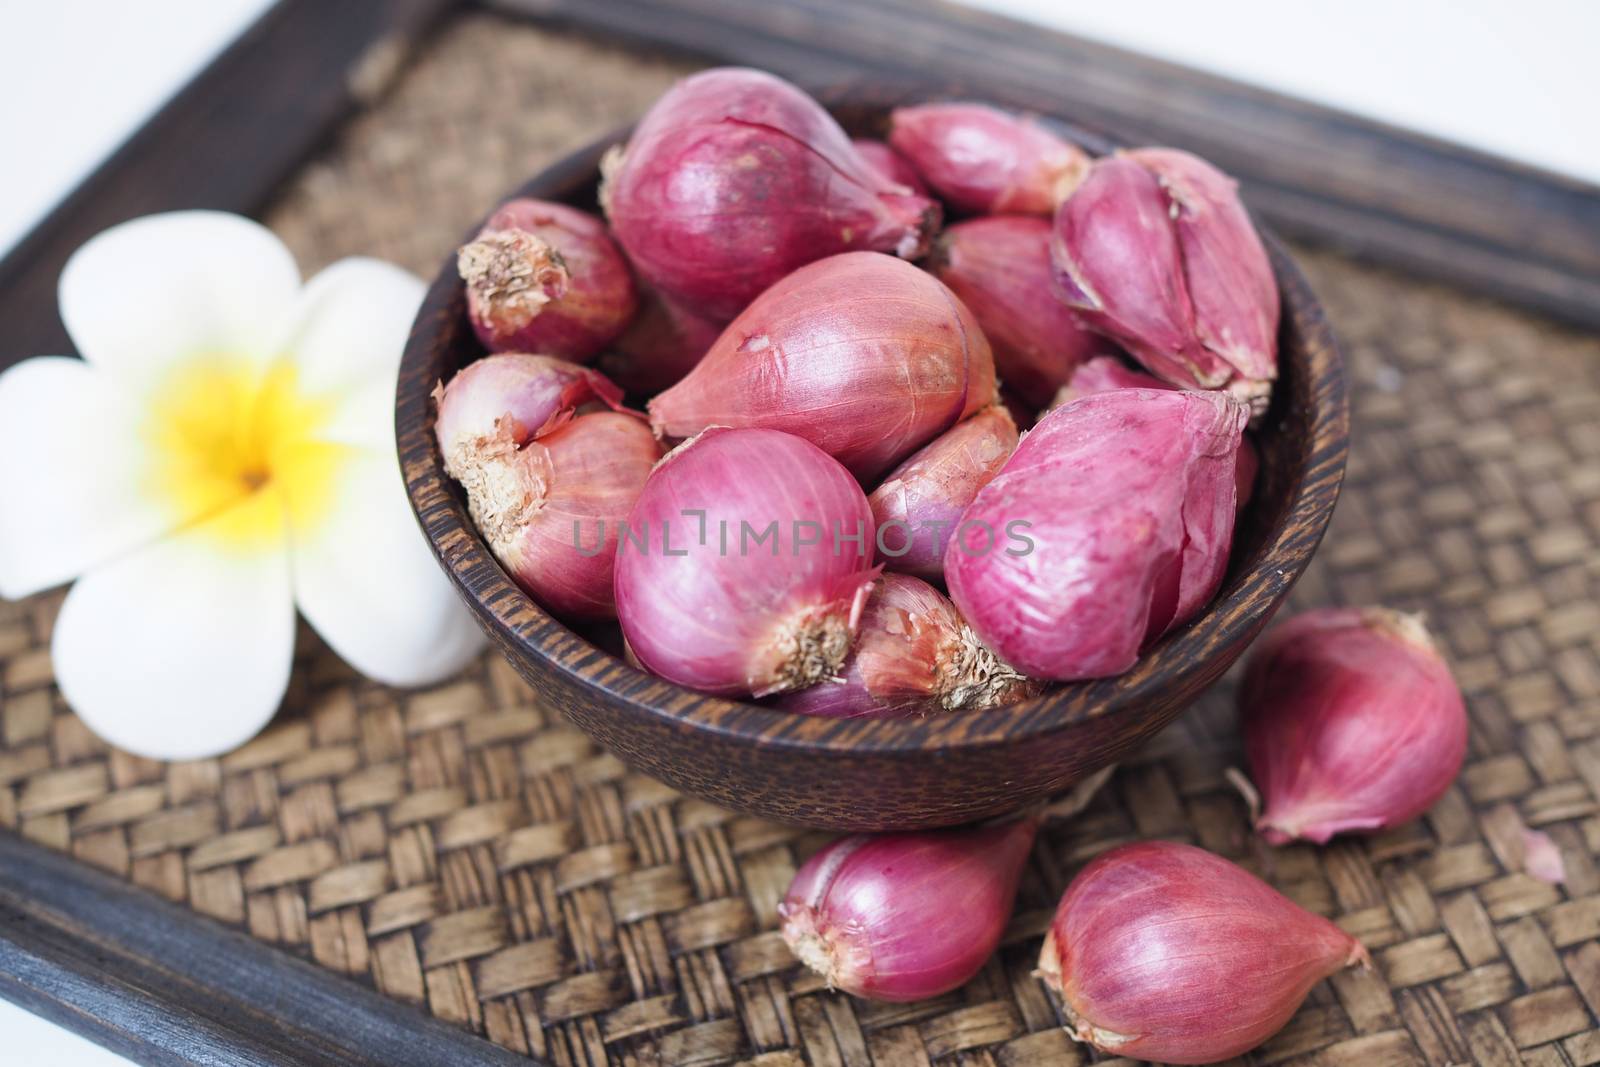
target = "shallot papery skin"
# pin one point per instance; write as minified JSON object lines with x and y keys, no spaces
{"x":745,"y":565}
{"x":497,"y":404}
{"x":1103,"y":373}
{"x":1541,"y":857}
{"x":913,"y":656}
{"x":735,"y":178}
{"x":891,"y":164}
{"x":551,"y":512}
{"x":861,"y":354}
{"x":545,"y":277}
{"x":985,"y":161}
{"x":918,"y":505}
{"x":1000,"y":268}
{"x":1155,"y":250}
{"x":1351,"y":723}
{"x":903,"y":917}
{"x":660,"y":346}
{"x":1166,"y":952}
{"x":1109,"y":525}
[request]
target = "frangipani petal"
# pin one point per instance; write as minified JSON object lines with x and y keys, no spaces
{"x":364,"y":417}
{"x":367,"y":582}
{"x":73,"y":475}
{"x":166,"y":289}
{"x":350,"y":325}
{"x":182,"y":650}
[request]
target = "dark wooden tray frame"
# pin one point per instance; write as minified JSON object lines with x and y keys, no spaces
{"x":165,"y":986}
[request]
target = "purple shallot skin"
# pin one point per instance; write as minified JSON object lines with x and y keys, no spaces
{"x":986,"y":161}
{"x":914,"y":655}
{"x":1352,"y":723}
{"x":544,"y":277}
{"x":1155,"y":250}
{"x":735,"y":178}
{"x":727,"y":576}
{"x":1128,"y":500}
{"x":1000,"y":268}
{"x":904,"y":917}
{"x":924,"y":496}
{"x":861,"y":354}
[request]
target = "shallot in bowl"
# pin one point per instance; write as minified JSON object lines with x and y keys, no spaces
{"x":872,"y":773}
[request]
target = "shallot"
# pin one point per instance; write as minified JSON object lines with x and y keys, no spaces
{"x":891,"y":164}
{"x":1161,"y":951}
{"x":660,"y":346}
{"x":745,"y":565}
{"x":987,"y":161}
{"x":735,"y":178}
{"x":544,"y":277}
{"x":862,"y":354}
{"x":1351,"y":723}
{"x":919,"y":504}
{"x":1117,"y":515}
{"x":497,"y":404}
{"x":1155,"y":250}
{"x":1000,"y":268}
{"x":1103,"y":373}
{"x":906,"y":916}
{"x":914,"y":655}
{"x":551,"y":511}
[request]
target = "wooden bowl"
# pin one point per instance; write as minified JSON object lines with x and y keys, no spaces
{"x":870,"y":774}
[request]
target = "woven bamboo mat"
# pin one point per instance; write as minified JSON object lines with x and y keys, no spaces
{"x":465,"y":850}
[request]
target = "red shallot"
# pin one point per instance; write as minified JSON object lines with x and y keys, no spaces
{"x":1161,"y":951}
{"x":663,"y":343}
{"x":987,"y":161}
{"x":551,"y":511}
{"x":1351,"y":723}
{"x":1155,"y":250}
{"x":862,"y":354}
{"x":735,"y":178}
{"x":745,"y":565}
{"x":499,"y":403}
{"x":1000,"y":268}
{"x":906,"y":916}
{"x":1103,"y":373}
{"x":891,"y":164}
{"x":544,"y":277}
{"x":914,"y":655}
{"x":919,"y":504}
{"x":1110,"y":524}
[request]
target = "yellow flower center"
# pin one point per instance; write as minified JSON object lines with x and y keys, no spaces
{"x":241,"y":448}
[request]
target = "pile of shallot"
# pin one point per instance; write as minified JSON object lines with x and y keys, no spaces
{"x":820,"y":496}
{"x":820,"y":499}
{"x":1159,"y":950}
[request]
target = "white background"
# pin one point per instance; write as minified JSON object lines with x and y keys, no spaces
{"x":1518,"y":79}
{"x":78,"y":76}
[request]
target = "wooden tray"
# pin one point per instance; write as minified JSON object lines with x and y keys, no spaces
{"x":457,"y":876}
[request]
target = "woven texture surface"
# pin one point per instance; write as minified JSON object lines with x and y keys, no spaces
{"x":463,"y":849}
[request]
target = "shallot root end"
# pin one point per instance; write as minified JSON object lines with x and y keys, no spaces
{"x":514,"y":272}
{"x":810,"y":650}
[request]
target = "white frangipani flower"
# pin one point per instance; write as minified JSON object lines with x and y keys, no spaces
{"x":223,"y":452}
